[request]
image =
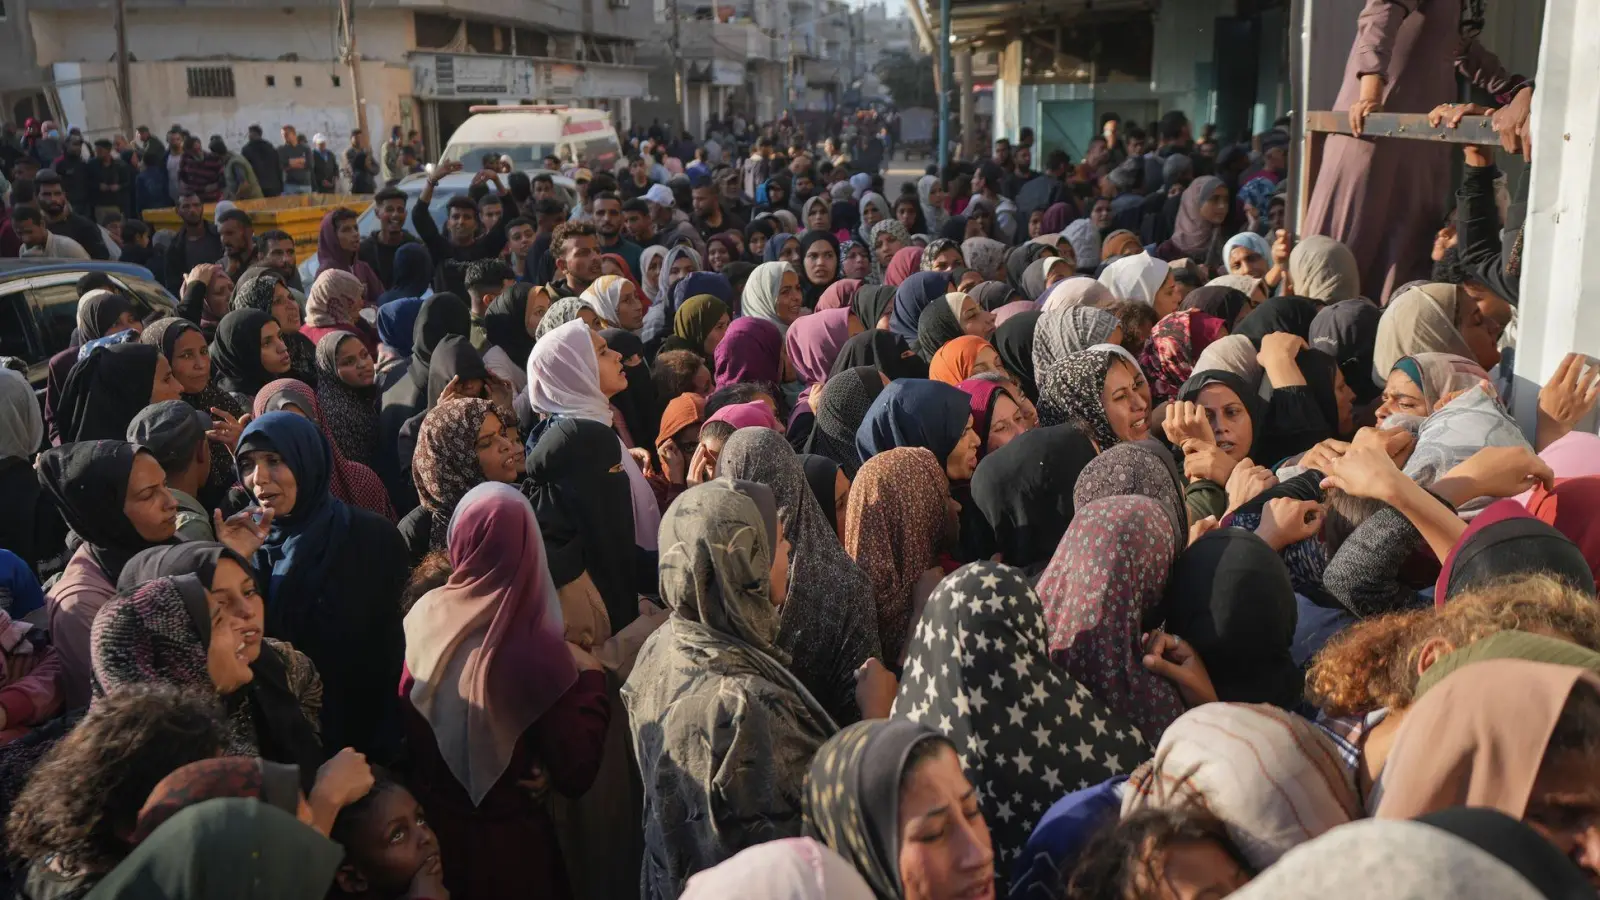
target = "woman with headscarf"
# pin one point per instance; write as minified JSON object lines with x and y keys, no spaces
{"x":994,"y":295}
{"x":930,"y":194}
{"x":113,"y":496}
{"x":1116,"y":245}
{"x":572,"y":373}
{"x":1197,"y":234}
{"x":1063,"y":332}
{"x":950,"y":317}
{"x":247,"y":353}
{"x":275,"y":714}
{"x":509,"y":324}
{"x":1324,"y":270}
{"x":903,"y":265}
{"x":840,"y":294}
{"x":268,"y":292}
{"x":1085,"y":240}
{"x":872,"y":209}
{"x":396,"y":322}
{"x":334,"y":304}
{"x":784,"y":247}
{"x":828,"y":624}
{"x":185,"y":347}
{"x":722,"y":249}
{"x":345,"y":618}
{"x":962,"y":358}
{"x":914,"y":412}
{"x":567,"y":309}
{"x":1274,"y":778}
{"x":440,"y":316}
{"x":650,"y":265}
{"x":1017,"y":261}
{"x":1230,"y":599}
{"x":107,"y":388}
{"x":942,"y":254}
{"x":889,"y":238}
{"x":786,"y":869}
{"x":492,"y":692}
{"x":338,"y":249}
{"x":1013,"y":341}
{"x":1144,"y":278}
{"x":456,"y":370}
{"x":1289,"y":314}
{"x":1254,"y":289}
{"x":811,"y":347}
{"x":1505,"y":540}
{"x":874,"y":776}
{"x":413,"y":273}
{"x":699,"y":327}
{"x":911,"y":298}
{"x":712,"y":692}
{"x":756,"y":235}
{"x":1043,"y":275}
{"x":638,"y":403}
{"x":1348,"y":332}
{"x":986,"y":256}
{"x":816,"y":214}
{"x":348,"y":396}
{"x":818,"y":266}
{"x":751,"y":352}
{"x":1416,"y":384}
{"x":1433,"y":318}
{"x":1025,"y":492}
{"x":250,"y":777}
{"x":1105,"y":580}
{"x":1099,"y":389}
{"x":1227,"y":304}
{"x":679,"y":263}
{"x":872,"y":305}
{"x":999,"y":415}
{"x":840,"y":410}
{"x":1248,"y":254}
{"x":773,"y":293}
{"x":351,"y":482}
{"x":614,"y":303}
{"x":897,"y":523}
{"x":1169,"y":355}
{"x":1001,"y":653}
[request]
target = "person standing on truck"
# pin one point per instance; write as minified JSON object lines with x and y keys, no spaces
{"x":462,"y":243}
{"x":263,"y":159}
{"x":378,"y":248}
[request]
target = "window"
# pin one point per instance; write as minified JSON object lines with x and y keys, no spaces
{"x":298,"y":81}
{"x":57,"y":306}
{"x":272,"y":81}
{"x":335,"y":81}
{"x":210,"y":81}
{"x":14,"y":337}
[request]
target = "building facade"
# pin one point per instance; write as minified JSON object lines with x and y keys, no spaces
{"x":219,"y":66}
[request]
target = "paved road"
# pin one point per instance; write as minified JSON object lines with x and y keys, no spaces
{"x":900,"y":172}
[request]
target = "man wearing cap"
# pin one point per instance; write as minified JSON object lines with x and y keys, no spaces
{"x":672,"y":226}
{"x":175,"y":434}
{"x":324,"y":166}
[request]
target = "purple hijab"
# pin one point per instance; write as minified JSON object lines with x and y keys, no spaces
{"x":331,"y":256}
{"x":814,"y":342}
{"x":749,"y":353}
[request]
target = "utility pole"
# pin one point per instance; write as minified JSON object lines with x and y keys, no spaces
{"x":944,"y":85}
{"x":124,"y":89}
{"x":968,"y":104}
{"x":680,"y":79}
{"x":352,"y":60}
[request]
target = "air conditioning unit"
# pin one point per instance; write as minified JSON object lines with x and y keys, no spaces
{"x":618,"y":4}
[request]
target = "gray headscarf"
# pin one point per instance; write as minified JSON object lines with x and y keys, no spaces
{"x":891,"y":226}
{"x":1325,"y":270}
{"x":21,"y":426}
{"x":1063,"y":332}
{"x":560,"y":313}
{"x":986,"y":256}
{"x":933,"y":214}
{"x":1085,"y":241}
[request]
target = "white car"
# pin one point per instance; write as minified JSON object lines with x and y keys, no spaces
{"x":457,"y":183}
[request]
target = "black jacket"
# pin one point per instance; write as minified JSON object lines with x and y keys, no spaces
{"x":263,"y":158}
{"x":1478,"y":243}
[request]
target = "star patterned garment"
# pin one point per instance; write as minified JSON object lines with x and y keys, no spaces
{"x":1027,"y":733}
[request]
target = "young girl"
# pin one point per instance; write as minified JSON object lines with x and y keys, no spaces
{"x":389,"y":851}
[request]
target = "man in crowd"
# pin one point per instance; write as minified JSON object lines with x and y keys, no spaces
{"x":175,"y":434}
{"x":263,"y":159}
{"x":238,"y":243}
{"x":576,"y":249}
{"x":174,"y":160}
{"x":671,"y":224}
{"x":324,"y":166}
{"x":485,"y":279}
{"x":360,"y":165}
{"x":709,"y":216}
{"x":197,"y":242}
{"x":38,"y":240}
{"x":608,"y":224}
{"x":637,"y":181}
{"x":74,"y":172}
{"x":544,"y":187}
{"x":638,"y":224}
{"x":389,"y":159}
{"x":238,"y":177}
{"x":463,"y":241}
{"x":277,"y":254}
{"x":378,"y":248}
{"x":520,"y":235}
{"x":986,"y":183}
{"x":1046,"y":188}
{"x":200,"y":172}
{"x":294,"y":158}
{"x":758,"y":167}
{"x":490,"y":209}
{"x":111,"y":180}
{"x":64,"y":221}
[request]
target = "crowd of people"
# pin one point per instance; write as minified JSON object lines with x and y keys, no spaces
{"x":739,"y":527}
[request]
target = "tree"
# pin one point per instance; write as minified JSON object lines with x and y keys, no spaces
{"x":909,"y":79}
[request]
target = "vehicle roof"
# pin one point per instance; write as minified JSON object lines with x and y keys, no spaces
{"x":513,"y":127}
{"x":41,"y":265}
{"x":461,"y":182}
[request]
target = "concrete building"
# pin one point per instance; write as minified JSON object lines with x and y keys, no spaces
{"x":218,"y":66}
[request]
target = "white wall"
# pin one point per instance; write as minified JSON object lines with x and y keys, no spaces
{"x":261,"y":34}
{"x":160,"y":98}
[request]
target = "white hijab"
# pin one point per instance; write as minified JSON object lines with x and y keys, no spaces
{"x":1136,"y":277}
{"x":760,"y":298}
{"x":603,"y":296}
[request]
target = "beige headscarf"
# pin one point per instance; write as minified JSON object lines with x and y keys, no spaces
{"x":1273,"y":777}
{"x":1233,"y":353}
{"x":1324,"y":269}
{"x":1243,"y":283}
{"x":1421,"y":320}
{"x":1477,"y":739}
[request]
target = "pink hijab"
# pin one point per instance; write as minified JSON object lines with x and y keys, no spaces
{"x":332,"y":256}
{"x":903,"y":265}
{"x":486,"y":649}
{"x":839,"y":295}
{"x":814,"y":342}
{"x":755,"y":414}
